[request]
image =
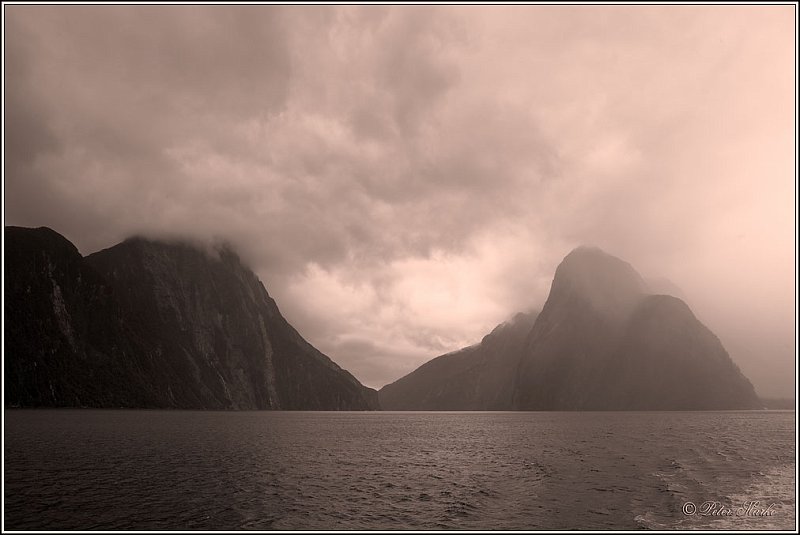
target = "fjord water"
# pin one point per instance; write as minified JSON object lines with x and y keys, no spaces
{"x":125,"y":470}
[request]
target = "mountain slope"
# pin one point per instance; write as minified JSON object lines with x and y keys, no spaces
{"x":590,"y":300}
{"x":669,"y":360}
{"x":478,"y":377}
{"x":601,"y":342}
{"x":173,"y":326}
{"x":67,"y":341}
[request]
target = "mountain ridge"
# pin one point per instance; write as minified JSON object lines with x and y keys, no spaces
{"x":476,"y":377}
{"x":187,"y":329}
{"x":602,"y":342}
{"x":170,"y":324}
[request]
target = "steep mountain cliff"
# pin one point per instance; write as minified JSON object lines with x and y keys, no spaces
{"x":153,"y":324}
{"x":669,"y":360}
{"x":479,"y":377}
{"x":67,"y":342}
{"x":601,"y":342}
{"x":567,"y":354}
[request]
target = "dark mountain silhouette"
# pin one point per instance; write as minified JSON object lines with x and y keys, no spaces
{"x":480,"y":377}
{"x":67,"y":342}
{"x":154,"y":324}
{"x":601,"y":342}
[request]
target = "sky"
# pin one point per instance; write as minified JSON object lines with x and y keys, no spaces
{"x":404,"y":178}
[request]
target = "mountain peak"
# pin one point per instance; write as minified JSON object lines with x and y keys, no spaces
{"x":607,"y":283}
{"x":40,"y":237}
{"x":601,"y":342}
{"x":157,"y":323}
{"x":589,"y":257}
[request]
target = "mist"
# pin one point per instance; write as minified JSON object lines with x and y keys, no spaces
{"x":404,"y":178}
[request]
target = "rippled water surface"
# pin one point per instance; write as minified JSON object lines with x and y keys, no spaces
{"x":109,"y":470}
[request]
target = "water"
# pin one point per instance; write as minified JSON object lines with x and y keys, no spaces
{"x":129,"y":470}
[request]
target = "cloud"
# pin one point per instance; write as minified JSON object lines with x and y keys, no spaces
{"x":404,"y":178}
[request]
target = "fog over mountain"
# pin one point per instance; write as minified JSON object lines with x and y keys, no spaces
{"x":405,"y":178}
{"x":603,"y":341}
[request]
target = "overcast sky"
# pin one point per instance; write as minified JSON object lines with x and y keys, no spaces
{"x":402,"y":179}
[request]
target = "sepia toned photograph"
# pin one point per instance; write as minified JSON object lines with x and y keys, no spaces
{"x":408,"y":267}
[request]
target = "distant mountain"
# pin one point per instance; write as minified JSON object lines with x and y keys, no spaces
{"x":154,"y":324}
{"x":567,"y":354}
{"x":601,"y":342}
{"x":480,"y":377}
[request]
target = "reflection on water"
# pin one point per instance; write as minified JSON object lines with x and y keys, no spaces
{"x":312,"y":470}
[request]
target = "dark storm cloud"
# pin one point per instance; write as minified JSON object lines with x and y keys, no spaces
{"x":404,"y":178}
{"x":109,"y":91}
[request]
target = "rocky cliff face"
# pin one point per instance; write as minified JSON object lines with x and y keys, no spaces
{"x":568,"y":350}
{"x":601,"y":342}
{"x":479,"y":377}
{"x":667,"y":359}
{"x":67,"y":341}
{"x":152,"y":324}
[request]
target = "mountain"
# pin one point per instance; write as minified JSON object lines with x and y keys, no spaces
{"x":67,"y":342}
{"x":601,"y":342}
{"x":159,"y":325}
{"x":669,"y":360}
{"x":578,"y":331}
{"x":479,"y":377}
